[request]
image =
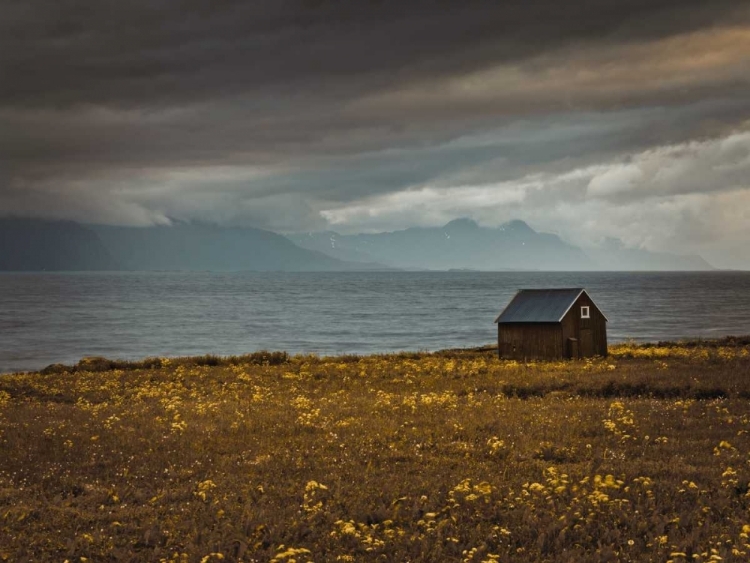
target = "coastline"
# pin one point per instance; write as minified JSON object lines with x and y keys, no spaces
{"x":277,"y":357}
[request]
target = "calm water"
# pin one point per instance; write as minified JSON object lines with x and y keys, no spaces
{"x":48,"y":318}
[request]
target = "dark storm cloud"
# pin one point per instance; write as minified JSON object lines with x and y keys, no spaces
{"x":166,"y":53}
{"x":280,"y":113}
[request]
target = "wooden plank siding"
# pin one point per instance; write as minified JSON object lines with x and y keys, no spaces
{"x":573,"y":325}
{"x":530,"y":341}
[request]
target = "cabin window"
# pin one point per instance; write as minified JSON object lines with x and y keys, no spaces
{"x":585,"y":312}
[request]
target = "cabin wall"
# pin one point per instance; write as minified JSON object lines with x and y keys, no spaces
{"x":573,"y":326}
{"x":527,"y":341}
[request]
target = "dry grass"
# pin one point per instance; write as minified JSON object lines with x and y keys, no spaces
{"x":453,"y":456}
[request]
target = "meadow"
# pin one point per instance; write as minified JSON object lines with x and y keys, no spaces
{"x":451,"y":456}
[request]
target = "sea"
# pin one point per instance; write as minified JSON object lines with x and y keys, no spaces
{"x":48,"y":318}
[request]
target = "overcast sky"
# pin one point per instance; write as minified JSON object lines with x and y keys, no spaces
{"x":588,"y":118}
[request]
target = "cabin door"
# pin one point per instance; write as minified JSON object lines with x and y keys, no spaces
{"x":513,"y":348}
{"x":586,"y":343}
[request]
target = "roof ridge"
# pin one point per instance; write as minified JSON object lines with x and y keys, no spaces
{"x":552,"y":289}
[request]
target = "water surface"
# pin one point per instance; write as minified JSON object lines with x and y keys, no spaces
{"x":59,"y":317}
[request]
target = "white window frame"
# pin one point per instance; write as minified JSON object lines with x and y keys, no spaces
{"x":585,"y":312}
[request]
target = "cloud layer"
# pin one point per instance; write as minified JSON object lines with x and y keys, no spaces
{"x":591,"y":119}
{"x":693,"y":193}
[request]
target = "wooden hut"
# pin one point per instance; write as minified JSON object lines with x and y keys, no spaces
{"x":551,"y":324}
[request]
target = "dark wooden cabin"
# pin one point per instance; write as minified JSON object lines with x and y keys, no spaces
{"x":551,"y":324}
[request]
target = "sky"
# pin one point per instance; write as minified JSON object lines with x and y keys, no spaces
{"x":591,"y":119}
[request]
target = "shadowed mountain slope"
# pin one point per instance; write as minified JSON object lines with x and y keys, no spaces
{"x":200,"y":246}
{"x":38,"y":244}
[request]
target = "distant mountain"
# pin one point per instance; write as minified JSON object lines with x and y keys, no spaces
{"x":461,"y":244}
{"x":37,"y":244}
{"x":200,"y":246}
{"x":613,"y":255}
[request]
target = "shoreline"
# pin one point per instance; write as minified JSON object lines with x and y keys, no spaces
{"x":277,"y":357}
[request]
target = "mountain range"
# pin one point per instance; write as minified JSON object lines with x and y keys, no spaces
{"x":36,"y":244}
{"x":463,"y":244}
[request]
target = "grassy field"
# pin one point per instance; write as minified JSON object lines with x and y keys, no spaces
{"x":455,"y":456}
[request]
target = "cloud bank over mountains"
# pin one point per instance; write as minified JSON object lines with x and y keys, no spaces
{"x":626,"y":119}
{"x":693,"y":192}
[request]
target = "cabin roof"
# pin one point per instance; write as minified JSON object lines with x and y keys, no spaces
{"x":540,"y":305}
